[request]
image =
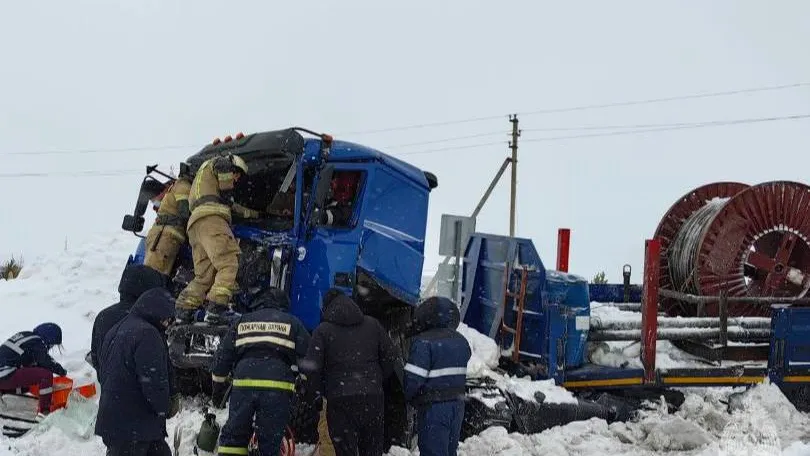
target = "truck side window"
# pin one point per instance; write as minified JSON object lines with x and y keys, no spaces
{"x":339,"y":207}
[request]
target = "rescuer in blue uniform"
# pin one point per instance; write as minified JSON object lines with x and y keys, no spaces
{"x":436,"y":374}
{"x":24,"y":361}
{"x":261,"y":352}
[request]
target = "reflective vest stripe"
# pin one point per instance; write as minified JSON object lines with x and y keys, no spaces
{"x":232,"y":450}
{"x":46,"y":390}
{"x":271,"y":339}
{"x":218,"y":379}
{"x":5,"y":371}
{"x":256,"y":383}
{"x":221,"y":291}
{"x":17,"y":346}
{"x":197,"y":191}
{"x":446,"y":372}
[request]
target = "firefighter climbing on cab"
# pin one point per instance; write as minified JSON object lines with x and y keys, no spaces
{"x":214,"y":249}
{"x":24,"y":362}
{"x":169,"y":230}
{"x":435,"y":376}
{"x":261,"y":351}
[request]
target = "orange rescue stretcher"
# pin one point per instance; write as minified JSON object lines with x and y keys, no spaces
{"x":62,"y":387}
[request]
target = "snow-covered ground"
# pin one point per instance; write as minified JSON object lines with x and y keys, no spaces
{"x":70,"y":286}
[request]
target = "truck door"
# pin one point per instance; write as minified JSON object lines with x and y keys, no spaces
{"x":328,"y":256}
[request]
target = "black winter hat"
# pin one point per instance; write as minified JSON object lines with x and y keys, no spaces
{"x":274,"y":298}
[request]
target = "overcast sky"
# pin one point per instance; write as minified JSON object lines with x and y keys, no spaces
{"x":90,"y":74}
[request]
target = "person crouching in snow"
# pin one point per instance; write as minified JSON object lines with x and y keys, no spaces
{"x":134,"y":376}
{"x":24,"y":361}
{"x":436,"y":375}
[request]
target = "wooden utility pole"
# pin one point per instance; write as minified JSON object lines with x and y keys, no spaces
{"x":513,"y":144}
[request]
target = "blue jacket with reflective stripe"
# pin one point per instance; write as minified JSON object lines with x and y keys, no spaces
{"x":437,"y":364}
{"x":26,"y":349}
{"x":262,"y":345}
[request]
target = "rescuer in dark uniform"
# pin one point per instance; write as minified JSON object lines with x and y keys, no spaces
{"x":261,"y":352}
{"x":24,"y":362}
{"x":436,"y":375}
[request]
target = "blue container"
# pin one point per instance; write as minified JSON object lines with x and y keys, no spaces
{"x":484,"y":265}
{"x":571,"y":293}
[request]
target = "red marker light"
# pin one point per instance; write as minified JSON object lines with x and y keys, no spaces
{"x":240,"y":135}
{"x":216,"y":141}
{"x":227,"y":138}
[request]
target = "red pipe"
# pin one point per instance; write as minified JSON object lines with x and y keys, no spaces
{"x":649,"y":308}
{"x":563,"y":246}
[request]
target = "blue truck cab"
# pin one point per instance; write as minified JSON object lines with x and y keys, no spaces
{"x":375,"y":253}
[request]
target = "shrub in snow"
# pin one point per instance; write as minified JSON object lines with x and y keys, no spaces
{"x":11,"y":269}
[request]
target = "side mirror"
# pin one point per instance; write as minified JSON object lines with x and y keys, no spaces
{"x":324,"y":185}
{"x":133,"y":223}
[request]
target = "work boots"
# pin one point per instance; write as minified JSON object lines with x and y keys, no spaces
{"x":215,"y":314}
{"x":184,"y":316}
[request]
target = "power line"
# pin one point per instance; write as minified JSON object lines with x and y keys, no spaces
{"x":453,"y":122}
{"x":88,"y":173}
{"x":435,"y":141}
{"x":94,"y":151}
{"x":586,"y":107}
{"x":441,"y":149}
{"x":666,"y":99}
{"x":664,"y":127}
{"x":717,"y":123}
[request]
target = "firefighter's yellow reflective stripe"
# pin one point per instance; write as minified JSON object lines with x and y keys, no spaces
{"x":181,"y":197}
{"x":198,"y":179}
{"x":176,"y":233}
{"x":218,"y":379}
{"x":256,"y":383}
{"x":212,"y":209}
{"x":270,"y":339}
{"x":232,"y":450}
{"x":223,"y":291}
{"x":225,"y":177}
{"x":209,"y":209}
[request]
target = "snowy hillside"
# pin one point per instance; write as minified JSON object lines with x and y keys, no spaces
{"x":69,"y":287}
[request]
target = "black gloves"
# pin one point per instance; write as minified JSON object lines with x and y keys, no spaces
{"x":219,"y":393}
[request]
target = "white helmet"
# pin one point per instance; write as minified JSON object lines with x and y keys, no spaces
{"x":239,"y":162}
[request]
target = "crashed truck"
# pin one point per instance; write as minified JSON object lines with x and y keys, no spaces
{"x":376,"y":255}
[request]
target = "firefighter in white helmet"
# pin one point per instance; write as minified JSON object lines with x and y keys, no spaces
{"x":215,"y":251}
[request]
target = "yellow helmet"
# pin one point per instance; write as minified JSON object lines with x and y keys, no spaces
{"x":239,"y":162}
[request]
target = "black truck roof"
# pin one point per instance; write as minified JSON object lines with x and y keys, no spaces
{"x":261,"y":151}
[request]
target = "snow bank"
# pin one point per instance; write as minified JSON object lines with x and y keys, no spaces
{"x":485,"y":353}
{"x":484,"y":361}
{"x":768,"y":425}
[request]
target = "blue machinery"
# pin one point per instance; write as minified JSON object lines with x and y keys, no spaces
{"x":541,"y":320}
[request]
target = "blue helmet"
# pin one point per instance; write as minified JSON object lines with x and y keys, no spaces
{"x":50,"y":333}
